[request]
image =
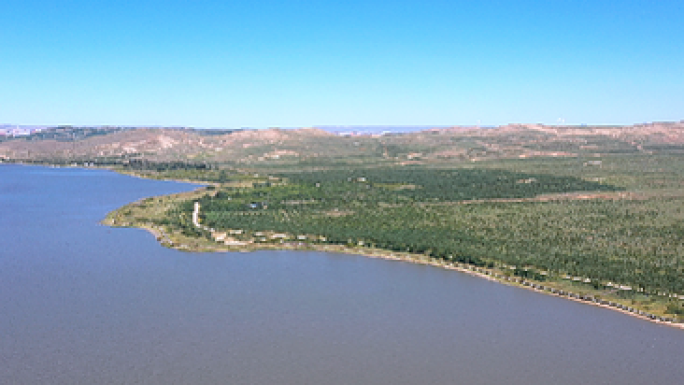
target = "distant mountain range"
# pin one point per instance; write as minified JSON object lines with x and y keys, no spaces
{"x":336,"y":143}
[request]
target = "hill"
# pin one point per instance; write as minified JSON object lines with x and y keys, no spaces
{"x":274,"y":147}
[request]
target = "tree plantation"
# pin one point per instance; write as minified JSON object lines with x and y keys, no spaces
{"x":614,"y":230}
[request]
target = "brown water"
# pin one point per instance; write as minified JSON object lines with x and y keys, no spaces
{"x":81,"y":303}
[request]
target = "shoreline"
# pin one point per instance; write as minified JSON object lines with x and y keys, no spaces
{"x":520,"y":283}
{"x":418,"y":259}
{"x":208,"y":246}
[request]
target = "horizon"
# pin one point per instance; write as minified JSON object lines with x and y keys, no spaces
{"x":336,"y":127}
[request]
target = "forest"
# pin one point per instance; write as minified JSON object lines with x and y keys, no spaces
{"x":485,"y":217}
{"x":612,"y":227}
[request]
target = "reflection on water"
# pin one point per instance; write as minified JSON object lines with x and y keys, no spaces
{"x":83,"y":303}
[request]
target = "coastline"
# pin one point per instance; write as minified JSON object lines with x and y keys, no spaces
{"x":482,"y":273}
{"x":204,"y":245}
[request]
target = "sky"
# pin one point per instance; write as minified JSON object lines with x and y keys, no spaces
{"x":320,"y":63}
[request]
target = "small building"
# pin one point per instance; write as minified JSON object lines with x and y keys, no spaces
{"x":233,"y":242}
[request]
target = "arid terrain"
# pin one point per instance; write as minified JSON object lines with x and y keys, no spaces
{"x":311,"y":145}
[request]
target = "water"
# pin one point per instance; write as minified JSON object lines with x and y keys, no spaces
{"x":81,"y":303}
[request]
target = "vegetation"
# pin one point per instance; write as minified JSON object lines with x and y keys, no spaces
{"x":565,"y":226}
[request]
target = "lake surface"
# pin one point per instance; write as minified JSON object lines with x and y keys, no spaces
{"x":81,"y":303}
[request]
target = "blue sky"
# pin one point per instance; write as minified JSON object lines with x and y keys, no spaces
{"x":312,"y":63}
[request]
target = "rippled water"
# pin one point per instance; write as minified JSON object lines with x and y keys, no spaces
{"x":81,"y":303}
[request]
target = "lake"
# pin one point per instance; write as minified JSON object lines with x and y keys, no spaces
{"x":81,"y":303}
